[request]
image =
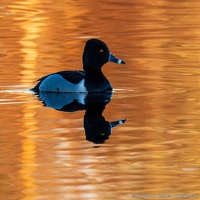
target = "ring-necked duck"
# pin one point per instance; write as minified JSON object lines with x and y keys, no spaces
{"x":95,"y":55}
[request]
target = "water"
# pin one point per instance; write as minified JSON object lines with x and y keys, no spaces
{"x":45,"y":152}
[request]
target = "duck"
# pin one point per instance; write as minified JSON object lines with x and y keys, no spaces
{"x":89,"y":80}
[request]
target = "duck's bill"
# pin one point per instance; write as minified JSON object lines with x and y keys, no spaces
{"x":112,"y":58}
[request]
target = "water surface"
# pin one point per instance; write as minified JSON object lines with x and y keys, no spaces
{"x":44,"y":151}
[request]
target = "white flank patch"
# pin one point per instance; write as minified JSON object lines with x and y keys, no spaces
{"x":56,"y":83}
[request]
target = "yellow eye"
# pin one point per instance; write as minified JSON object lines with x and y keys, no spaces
{"x":101,"y":50}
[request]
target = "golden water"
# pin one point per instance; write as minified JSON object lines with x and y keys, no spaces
{"x":43,"y":151}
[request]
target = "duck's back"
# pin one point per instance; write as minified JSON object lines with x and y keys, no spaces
{"x":63,"y":81}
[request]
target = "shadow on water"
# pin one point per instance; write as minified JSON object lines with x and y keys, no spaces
{"x":97,"y":129}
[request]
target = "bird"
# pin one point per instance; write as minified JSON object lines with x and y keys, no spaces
{"x":89,"y":80}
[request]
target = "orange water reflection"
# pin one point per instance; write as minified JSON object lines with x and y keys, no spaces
{"x":44,"y":151}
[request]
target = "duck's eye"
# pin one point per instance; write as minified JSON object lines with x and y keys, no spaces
{"x":101,"y":50}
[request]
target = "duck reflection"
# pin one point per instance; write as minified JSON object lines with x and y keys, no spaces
{"x":97,"y":129}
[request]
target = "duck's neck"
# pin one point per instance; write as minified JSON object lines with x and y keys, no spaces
{"x":90,"y":72}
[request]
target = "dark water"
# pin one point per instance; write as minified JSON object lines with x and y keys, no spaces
{"x":44,"y":153}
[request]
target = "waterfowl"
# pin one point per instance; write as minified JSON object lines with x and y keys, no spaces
{"x":90,"y":79}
